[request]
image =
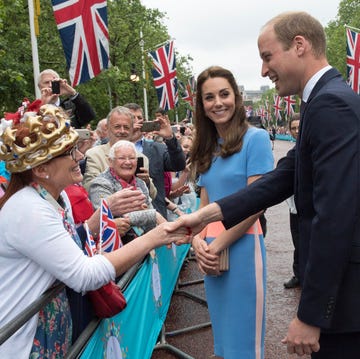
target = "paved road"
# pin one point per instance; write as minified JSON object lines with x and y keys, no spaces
{"x":185,"y":312}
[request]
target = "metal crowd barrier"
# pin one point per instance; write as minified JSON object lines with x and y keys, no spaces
{"x":10,"y":328}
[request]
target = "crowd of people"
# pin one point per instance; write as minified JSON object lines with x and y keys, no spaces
{"x":62,"y":180}
{"x":54,"y":183}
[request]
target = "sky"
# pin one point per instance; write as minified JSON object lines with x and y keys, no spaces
{"x":225,"y":32}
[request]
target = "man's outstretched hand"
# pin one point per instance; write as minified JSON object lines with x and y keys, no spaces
{"x":195,"y":222}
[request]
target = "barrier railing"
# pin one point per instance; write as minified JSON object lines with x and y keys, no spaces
{"x":133,"y":333}
{"x":10,"y":328}
{"x":86,"y":334}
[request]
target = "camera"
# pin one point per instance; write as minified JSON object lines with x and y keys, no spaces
{"x":149,"y":126}
{"x":83,"y":133}
{"x":55,"y":87}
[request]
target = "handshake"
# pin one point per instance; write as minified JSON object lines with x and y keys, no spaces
{"x":188,"y":225}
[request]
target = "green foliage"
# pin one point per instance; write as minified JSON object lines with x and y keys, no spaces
{"x":127,"y":20}
{"x":348,"y":14}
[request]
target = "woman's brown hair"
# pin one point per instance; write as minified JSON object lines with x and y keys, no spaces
{"x":205,"y":144}
{"x":17,"y":182}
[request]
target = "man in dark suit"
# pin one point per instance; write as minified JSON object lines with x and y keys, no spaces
{"x":323,"y":171}
{"x":165,"y":156}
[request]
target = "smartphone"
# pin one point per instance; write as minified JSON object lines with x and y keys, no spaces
{"x":84,"y":134}
{"x":55,"y":87}
{"x":140,"y":163}
{"x":149,"y":126}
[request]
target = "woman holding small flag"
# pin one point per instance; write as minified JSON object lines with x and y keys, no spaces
{"x":39,"y":243}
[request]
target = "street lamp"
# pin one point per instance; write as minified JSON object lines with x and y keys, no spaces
{"x":134,"y":78}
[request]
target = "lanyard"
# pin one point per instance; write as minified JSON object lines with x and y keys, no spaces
{"x":60,"y":207}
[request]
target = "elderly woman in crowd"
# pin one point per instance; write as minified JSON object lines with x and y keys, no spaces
{"x":39,"y":244}
{"x":119,"y":175}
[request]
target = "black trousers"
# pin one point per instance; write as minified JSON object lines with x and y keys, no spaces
{"x":338,"y":346}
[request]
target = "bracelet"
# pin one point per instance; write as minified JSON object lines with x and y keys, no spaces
{"x":174,"y":209}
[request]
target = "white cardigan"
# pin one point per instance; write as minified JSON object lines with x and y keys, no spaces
{"x":35,"y":250}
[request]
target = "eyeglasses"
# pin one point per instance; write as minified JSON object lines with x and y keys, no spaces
{"x":71,"y":152}
{"x":123,"y":159}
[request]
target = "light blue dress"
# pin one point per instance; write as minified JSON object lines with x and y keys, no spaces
{"x":236,"y":299}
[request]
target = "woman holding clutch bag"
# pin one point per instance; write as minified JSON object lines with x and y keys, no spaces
{"x":229,"y":154}
{"x":39,"y":243}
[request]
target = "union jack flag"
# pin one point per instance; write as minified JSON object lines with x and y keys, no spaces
{"x":289,"y":105}
{"x":188,"y":91}
{"x":277,"y":106}
{"x":262,"y":112}
{"x":109,"y":235}
{"x":83,"y":29}
{"x":353,"y":59}
{"x":90,"y":245}
{"x":164,"y":74}
{"x":249,"y":111}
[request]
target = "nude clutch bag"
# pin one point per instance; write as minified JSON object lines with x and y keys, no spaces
{"x":224,"y":260}
{"x":213,"y":230}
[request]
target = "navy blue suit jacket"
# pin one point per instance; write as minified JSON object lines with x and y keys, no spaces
{"x":323,"y":171}
{"x":163,"y":157}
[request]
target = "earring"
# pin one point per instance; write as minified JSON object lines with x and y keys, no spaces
{"x":47,"y":177}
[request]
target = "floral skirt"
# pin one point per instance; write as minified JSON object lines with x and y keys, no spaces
{"x":53,"y":334}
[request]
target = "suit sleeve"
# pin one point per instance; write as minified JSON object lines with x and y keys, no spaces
{"x":83,"y":112}
{"x":272,"y":188}
{"x":174,"y":156}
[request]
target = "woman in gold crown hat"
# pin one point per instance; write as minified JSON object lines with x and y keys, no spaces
{"x":39,"y":243}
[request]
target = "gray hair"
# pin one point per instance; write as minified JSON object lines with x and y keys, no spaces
{"x":121,"y":110}
{"x":45,"y":72}
{"x":121,"y":144}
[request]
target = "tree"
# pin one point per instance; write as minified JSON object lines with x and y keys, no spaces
{"x":348,"y":14}
{"x":127,"y":20}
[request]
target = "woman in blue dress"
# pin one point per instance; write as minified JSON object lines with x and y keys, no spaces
{"x":229,"y":154}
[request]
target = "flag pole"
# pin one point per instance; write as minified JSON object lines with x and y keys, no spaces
{"x":352,"y":28}
{"x":146,"y":113}
{"x":35,"y":56}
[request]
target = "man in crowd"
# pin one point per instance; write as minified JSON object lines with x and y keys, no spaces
{"x":75,"y":105}
{"x":165,"y":156}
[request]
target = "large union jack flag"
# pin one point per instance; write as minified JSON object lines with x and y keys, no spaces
{"x":109,"y":235}
{"x":164,"y":74}
{"x":353,"y":59}
{"x":83,"y":29}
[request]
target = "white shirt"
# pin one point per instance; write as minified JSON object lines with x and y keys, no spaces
{"x":312,"y":82}
{"x":35,"y":250}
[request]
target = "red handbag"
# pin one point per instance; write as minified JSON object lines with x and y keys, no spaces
{"x":108,"y":300}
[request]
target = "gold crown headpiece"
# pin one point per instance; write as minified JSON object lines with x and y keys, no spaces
{"x":47,"y":134}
